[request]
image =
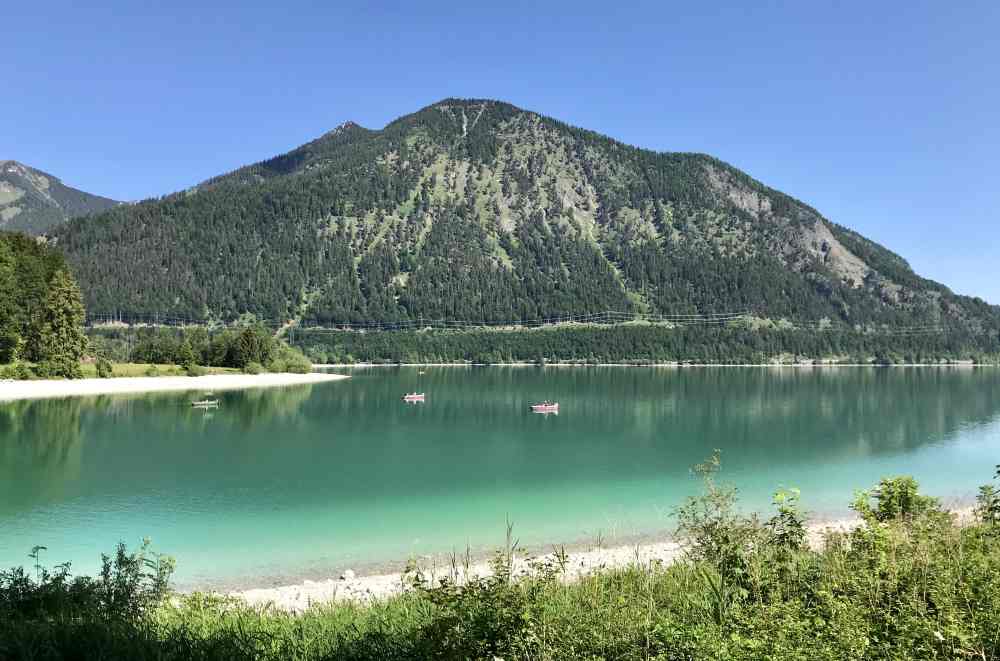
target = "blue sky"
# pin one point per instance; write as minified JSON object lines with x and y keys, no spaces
{"x":884,"y":116}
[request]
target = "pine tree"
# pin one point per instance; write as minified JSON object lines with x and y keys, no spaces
{"x":185,"y":355}
{"x":58,"y":339}
{"x":10,"y":338}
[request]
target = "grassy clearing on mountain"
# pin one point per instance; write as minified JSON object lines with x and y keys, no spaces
{"x":908,"y":583}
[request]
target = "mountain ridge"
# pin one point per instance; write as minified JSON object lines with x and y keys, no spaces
{"x":477,"y":210}
{"x":35,"y":201}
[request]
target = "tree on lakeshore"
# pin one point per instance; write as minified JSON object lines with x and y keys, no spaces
{"x":254,"y":345}
{"x":58,"y":339}
{"x":10,"y":338}
{"x":185,"y":354}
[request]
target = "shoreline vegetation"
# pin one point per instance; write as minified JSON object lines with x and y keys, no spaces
{"x":646,"y":344}
{"x":43,"y":334}
{"x":581,"y":559}
{"x":50,"y":388}
{"x":591,"y":344}
{"x":673,"y":365}
{"x":906,"y":579}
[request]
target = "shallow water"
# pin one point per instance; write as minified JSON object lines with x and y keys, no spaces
{"x":283,"y":484}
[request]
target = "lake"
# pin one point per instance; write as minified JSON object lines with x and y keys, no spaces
{"x":278,"y":485}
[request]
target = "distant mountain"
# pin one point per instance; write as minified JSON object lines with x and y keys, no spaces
{"x":477,"y":210}
{"x":33,"y":201}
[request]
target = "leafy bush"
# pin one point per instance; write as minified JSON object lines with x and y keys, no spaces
{"x":17,"y":371}
{"x":710,"y":527}
{"x":253,"y":368}
{"x":104,"y":368}
{"x":59,"y":367}
{"x":192,"y":369}
{"x":287,"y":359}
{"x":895,"y":498}
{"x":988,"y":503}
{"x":129,"y":586}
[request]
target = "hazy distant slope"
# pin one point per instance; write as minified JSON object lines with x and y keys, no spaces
{"x":33,"y":201}
{"x":472,"y":209}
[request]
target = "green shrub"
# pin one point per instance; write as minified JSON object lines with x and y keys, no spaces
{"x":104,"y":368}
{"x":710,"y":527}
{"x":59,"y":367}
{"x":152,"y":370}
{"x":287,"y":359}
{"x":253,"y":345}
{"x":253,"y":368}
{"x":896,"y":497}
{"x":129,"y":586}
{"x":17,"y":371}
{"x":192,"y":369}
{"x":988,"y":502}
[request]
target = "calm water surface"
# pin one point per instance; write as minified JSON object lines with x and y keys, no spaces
{"x":283,"y":484}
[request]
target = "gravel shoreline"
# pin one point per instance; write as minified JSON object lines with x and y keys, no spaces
{"x":349,"y":586}
{"x":579,"y":562}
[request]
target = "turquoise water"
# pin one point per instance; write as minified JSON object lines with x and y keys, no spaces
{"x":283,"y":484}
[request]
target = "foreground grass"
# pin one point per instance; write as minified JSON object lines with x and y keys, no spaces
{"x":908,"y":584}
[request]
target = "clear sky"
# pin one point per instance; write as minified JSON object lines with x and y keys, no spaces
{"x":883,"y":115}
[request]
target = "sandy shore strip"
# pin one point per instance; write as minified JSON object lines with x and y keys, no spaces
{"x":43,"y":389}
{"x":578,"y":563}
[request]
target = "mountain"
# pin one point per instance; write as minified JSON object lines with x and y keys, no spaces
{"x":33,"y":201}
{"x":478,"y":210}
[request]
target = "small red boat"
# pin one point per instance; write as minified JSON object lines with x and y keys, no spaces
{"x":545,"y":407}
{"x":413,"y":397}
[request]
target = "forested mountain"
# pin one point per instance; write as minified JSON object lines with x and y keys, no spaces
{"x":33,"y":201}
{"x":477,"y":210}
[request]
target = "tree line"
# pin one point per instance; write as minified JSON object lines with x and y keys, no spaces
{"x":251,"y":348}
{"x":644,"y":343}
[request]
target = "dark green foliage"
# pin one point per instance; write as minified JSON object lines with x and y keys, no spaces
{"x":988,"y":503}
{"x":194,"y":347}
{"x":26,"y":268}
{"x":56,"y":336}
{"x":253,"y":345}
{"x":895,"y":498}
{"x":104,"y":367}
{"x":41,"y":311}
{"x":641,"y":343}
{"x":129,"y":586}
{"x":185,"y":354}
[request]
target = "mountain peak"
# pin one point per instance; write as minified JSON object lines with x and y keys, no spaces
{"x":34,"y":201}
{"x":526,"y":215}
{"x":11,"y":167}
{"x":343,"y":127}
